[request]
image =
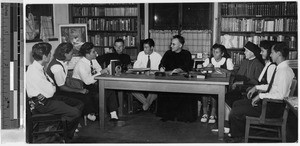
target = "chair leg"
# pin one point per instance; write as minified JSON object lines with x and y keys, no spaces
{"x":65,"y":134}
{"x":247,"y":130}
{"x":283,"y":133}
{"x":30,"y":132}
{"x":156,"y":105}
{"x":279,"y":132}
{"x":130,"y":105}
{"x":85,"y":120}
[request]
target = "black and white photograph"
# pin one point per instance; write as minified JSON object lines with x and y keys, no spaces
{"x":149,"y":72}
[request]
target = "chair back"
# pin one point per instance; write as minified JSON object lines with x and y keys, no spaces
{"x":29,"y":125}
{"x":293,"y":87}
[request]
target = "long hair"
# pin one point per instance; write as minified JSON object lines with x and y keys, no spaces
{"x":61,"y":50}
{"x":267,"y":45}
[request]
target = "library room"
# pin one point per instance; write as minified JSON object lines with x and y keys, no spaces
{"x":149,"y":72}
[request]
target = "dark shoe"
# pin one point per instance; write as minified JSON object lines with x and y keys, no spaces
{"x":163,"y":120}
{"x":234,"y":140}
{"x":152,"y":108}
{"x":166,"y":119}
{"x":113,"y":120}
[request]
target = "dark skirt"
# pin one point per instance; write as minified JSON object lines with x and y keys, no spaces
{"x":177,"y":106}
{"x":232,"y":96}
{"x":87,"y":99}
{"x":111,"y":97}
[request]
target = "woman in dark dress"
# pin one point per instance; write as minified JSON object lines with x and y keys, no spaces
{"x":177,"y":106}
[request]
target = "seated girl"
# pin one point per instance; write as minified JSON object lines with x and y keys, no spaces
{"x":219,"y":59}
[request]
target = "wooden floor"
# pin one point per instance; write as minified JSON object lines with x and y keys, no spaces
{"x":145,"y":127}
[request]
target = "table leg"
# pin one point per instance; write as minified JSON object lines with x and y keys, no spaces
{"x":101,"y":104}
{"x":121,"y":103}
{"x":221,"y":108}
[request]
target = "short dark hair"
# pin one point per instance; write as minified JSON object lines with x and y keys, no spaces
{"x":282,"y":48}
{"x":86,"y":48}
{"x":150,"y":42}
{"x":119,"y":40}
{"x":61,"y":50}
{"x":222,"y":49}
{"x":267,"y":45}
{"x":180,"y":38}
{"x":40,"y":49}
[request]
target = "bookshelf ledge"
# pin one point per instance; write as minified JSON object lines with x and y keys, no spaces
{"x":40,"y":40}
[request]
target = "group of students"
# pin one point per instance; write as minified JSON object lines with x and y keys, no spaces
{"x":264,"y":73}
{"x":47,"y":89}
{"x":271,"y":79}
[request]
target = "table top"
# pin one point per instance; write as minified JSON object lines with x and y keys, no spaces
{"x":293,"y":101}
{"x":168,"y":78}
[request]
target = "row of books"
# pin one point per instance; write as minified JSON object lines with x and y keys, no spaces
{"x":237,"y":57}
{"x":293,"y":55}
{"x":259,"y":8}
{"x":108,"y":24}
{"x":236,"y":41}
{"x":106,"y":40}
{"x":101,"y":11}
{"x":259,"y":25}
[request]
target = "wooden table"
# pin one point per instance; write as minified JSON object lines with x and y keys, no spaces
{"x":179,"y":84}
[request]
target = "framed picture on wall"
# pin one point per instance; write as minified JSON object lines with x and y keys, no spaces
{"x":73,"y":33}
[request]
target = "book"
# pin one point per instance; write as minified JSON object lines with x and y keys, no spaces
{"x":115,"y":67}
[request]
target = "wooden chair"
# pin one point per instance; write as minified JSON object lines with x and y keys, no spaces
{"x":34,"y":121}
{"x":269,"y":124}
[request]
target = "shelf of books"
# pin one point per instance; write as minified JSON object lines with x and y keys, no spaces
{"x":257,"y":21}
{"x":108,"y":22}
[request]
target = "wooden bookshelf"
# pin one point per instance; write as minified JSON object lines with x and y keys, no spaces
{"x":108,"y":22}
{"x":256,"y":21}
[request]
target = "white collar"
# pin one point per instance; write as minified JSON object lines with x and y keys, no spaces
{"x":252,"y":58}
{"x":147,"y":54}
{"x":37,"y":65}
{"x":268,"y":63}
{"x":85,"y":60}
{"x":282,"y":64}
{"x":62,"y":62}
{"x":223,"y":59}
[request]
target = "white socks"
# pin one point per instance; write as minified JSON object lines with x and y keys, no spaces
{"x":146,"y":106}
{"x":91,"y":117}
{"x":113,"y":115}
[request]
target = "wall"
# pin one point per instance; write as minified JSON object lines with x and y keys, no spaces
{"x":61,"y":16}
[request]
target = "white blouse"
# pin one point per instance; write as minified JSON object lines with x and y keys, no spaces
{"x":82,"y":70}
{"x":229,"y":64}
